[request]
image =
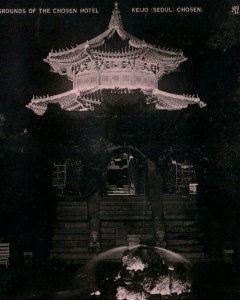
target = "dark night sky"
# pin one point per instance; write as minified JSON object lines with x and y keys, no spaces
{"x":27,"y":39}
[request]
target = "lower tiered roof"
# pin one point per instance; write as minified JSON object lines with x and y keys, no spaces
{"x":86,"y":100}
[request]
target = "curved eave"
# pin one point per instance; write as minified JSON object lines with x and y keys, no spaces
{"x":76,"y":100}
{"x":61,"y":57}
{"x":95,"y":41}
{"x":73,"y":100}
{"x":173,"y":65}
{"x":169,"y":101}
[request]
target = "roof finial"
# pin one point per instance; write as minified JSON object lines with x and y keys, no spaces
{"x":116,"y":21}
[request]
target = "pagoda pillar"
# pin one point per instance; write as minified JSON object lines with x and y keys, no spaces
{"x":94,"y":222}
{"x":156,"y":198}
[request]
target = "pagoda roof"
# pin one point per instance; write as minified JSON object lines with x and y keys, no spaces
{"x":109,"y":52}
{"x":86,"y":100}
{"x":149,"y":52}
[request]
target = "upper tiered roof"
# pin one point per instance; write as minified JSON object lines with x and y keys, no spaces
{"x":101,"y":48}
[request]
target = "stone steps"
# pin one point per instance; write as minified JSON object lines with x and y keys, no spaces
{"x":71,"y":232}
{"x":142,"y":230}
{"x":123,"y":193}
{"x":123,"y":216}
{"x":69,"y":218}
{"x":181,"y":242}
{"x":64,"y":231}
{"x":72,"y":204}
{"x":119,"y":218}
{"x":69,"y":244}
{"x":71,"y":211}
{"x":123,"y":199}
{"x":66,"y":250}
{"x":185,"y":248}
{"x":180,"y":203}
{"x":105,"y":236}
{"x":118,"y":188}
{"x":178,"y":197}
{"x":70,"y":237}
{"x":69,"y":225}
{"x":183,"y":233}
{"x":138,"y":224}
{"x":183,"y":223}
{"x":125,"y":208}
{"x":125,"y":213}
{"x":180,"y":229}
{"x":173,"y":217}
{"x":73,"y":258}
{"x":180,"y":211}
{"x":117,"y":191}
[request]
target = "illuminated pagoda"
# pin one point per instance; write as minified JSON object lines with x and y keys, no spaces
{"x":113,"y":60}
{"x":120,"y":203}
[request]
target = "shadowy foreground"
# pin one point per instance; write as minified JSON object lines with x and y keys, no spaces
{"x":213,"y":280}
